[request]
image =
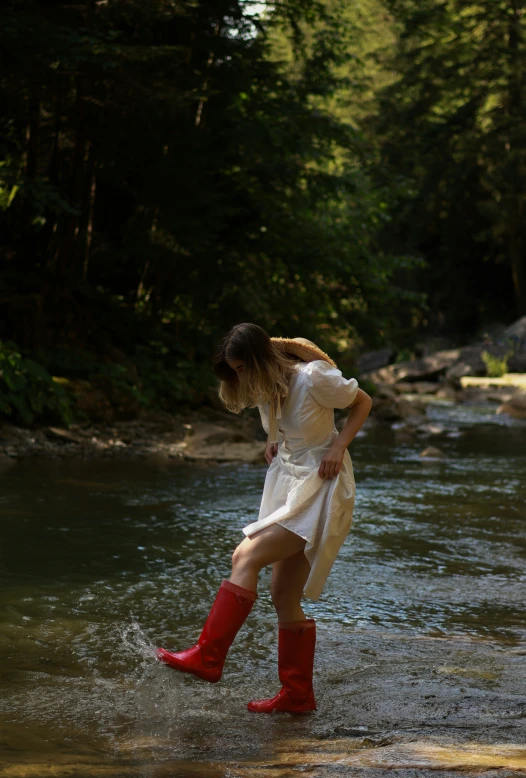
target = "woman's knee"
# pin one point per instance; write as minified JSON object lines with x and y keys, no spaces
{"x":243,"y":556}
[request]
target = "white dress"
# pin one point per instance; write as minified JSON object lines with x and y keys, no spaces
{"x":294,"y":495}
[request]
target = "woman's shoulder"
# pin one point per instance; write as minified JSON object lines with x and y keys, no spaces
{"x":316,"y":366}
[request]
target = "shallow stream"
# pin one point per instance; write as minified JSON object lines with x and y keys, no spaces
{"x":421,"y":653}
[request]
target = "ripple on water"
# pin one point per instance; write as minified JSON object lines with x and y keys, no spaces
{"x":126,"y":558}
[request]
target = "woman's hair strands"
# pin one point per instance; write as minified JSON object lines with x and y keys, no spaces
{"x":267,"y":368}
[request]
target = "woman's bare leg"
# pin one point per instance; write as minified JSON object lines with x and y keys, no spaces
{"x":288,"y":580}
{"x":269,"y":545}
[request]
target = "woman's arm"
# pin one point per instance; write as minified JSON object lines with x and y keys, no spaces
{"x":359,"y":411}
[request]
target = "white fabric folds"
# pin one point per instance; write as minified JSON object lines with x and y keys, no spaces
{"x":294,"y":495}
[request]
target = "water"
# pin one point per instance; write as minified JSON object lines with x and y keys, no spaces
{"x":421,"y":625}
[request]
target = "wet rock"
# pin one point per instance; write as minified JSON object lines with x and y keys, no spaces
{"x":403,"y":387}
{"x":65,"y":436}
{"x":388,"y":407}
{"x":473,"y":396}
{"x":416,"y":387}
{"x":425,"y":368}
{"x":425,"y":387}
{"x":432,"y":452}
{"x":404,"y":433}
{"x":458,"y":371}
{"x":385,"y":392}
{"x":385,"y":409}
{"x":446,"y":392}
{"x":451,"y":363}
{"x":501,"y":396}
{"x":251,"y":453}
{"x":412,"y":411}
{"x":515,"y":406}
{"x":428,"y":430}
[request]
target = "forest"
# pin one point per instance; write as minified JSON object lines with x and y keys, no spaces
{"x":349,"y":172}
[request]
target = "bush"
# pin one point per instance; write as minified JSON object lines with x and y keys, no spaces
{"x":495,"y":367}
{"x":27,"y":390}
{"x":369,"y":387}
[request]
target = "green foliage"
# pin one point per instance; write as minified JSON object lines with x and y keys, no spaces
{"x":495,"y":366}
{"x":404,"y":355}
{"x":352,"y":173}
{"x":369,"y":387}
{"x":157,"y":375}
{"x":166,"y":378}
{"x":165,"y":157}
{"x":452,"y":125}
{"x":27,"y":390}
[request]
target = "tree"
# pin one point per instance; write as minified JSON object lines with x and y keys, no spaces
{"x":453,"y":126}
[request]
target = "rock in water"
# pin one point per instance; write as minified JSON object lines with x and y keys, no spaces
{"x":515,"y":406}
{"x":432,"y":452}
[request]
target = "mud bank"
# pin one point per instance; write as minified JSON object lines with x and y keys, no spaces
{"x":204,"y":434}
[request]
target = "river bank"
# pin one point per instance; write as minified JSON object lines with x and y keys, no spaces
{"x":215,"y":435}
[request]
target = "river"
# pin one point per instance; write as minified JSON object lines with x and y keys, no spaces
{"x":421,"y":652}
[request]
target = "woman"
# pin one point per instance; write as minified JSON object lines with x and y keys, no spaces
{"x":306,"y":507}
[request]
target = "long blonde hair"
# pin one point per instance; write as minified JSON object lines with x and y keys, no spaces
{"x":267,"y":368}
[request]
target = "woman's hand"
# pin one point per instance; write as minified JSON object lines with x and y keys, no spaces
{"x":271,"y":451}
{"x":331,"y":462}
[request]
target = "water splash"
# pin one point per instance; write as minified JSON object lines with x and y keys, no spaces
{"x":136,"y":642}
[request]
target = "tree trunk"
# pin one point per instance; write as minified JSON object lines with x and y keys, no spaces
{"x":29,"y":241}
{"x":87,"y":210}
{"x":209,"y":63}
{"x":66,"y":252}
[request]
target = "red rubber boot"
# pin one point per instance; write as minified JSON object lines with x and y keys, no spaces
{"x":231,"y":607}
{"x":296,"y":643}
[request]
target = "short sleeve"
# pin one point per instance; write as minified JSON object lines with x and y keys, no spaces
{"x":328,"y":386}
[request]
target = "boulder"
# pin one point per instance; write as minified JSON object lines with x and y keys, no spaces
{"x":415,"y":369}
{"x":425,"y":387}
{"x":515,"y":406}
{"x":452,"y":363}
{"x":373,"y":360}
{"x":432,"y":452}
{"x":457,"y":371}
{"x":446,"y":392}
{"x":384,"y":409}
{"x":385,"y":392}
{"x":517,"y":330}
{"x":517,"y":362}
{"x":411,"y":409}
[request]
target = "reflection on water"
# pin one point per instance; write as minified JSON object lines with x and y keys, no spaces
{"x":102,"y":561}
